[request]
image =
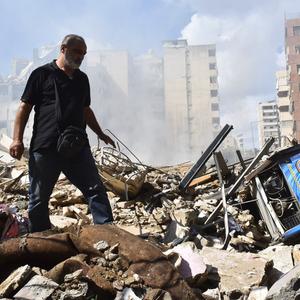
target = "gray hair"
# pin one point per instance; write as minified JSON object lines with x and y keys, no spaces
{"x":71,"y":39}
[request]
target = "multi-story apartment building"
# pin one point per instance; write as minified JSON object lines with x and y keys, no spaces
{"x":292,"y":48}
{"x":268,"y":123}
{"x":283,"y":104}
{"x":191,"y":97}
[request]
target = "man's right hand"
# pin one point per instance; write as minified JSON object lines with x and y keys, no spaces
{"x":16,"y":149}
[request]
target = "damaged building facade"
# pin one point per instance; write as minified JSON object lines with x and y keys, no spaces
{"x":284,"y":120}
{"x":283,"y":103}
{"x":292,"y":49}
{"x":191,"y":96}
{"x":268,"y":123}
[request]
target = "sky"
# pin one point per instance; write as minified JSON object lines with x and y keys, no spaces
{"x":249,"y":36}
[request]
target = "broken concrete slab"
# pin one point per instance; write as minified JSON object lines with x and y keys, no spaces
{"x":38,"y":287}
{"x":237,"y":272}
{"x":15,"y":280}
{"x":287,"y":287}
{"x":192,"y":264}
{"x":281,"y":255}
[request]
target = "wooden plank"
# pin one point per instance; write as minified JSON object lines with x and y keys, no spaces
{"x":203,"y":179}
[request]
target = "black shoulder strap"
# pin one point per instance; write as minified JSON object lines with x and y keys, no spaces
{"x":57,"y":106}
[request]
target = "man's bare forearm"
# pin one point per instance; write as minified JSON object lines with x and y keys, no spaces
{"x":16,"y":149}
{"x":92,"y":122}
{"x":21,"y":121}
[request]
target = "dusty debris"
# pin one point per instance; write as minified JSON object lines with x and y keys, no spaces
{"x":190,"y":218}
{"x":148,"y":267}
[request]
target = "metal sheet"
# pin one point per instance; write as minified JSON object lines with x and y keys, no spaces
{"x":196,"y":168}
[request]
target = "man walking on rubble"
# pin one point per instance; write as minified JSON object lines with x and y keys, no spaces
{"x":62,"y":77}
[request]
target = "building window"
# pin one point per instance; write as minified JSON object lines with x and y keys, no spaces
{"x":269,"y":107}
{"x":282,"y":94}
{"x":212,"y":66}
{"x":214,"y":93}
{"x":268,"y":114}
{"x":215,"y":106}
{"x":284,"y":108}
{"x":269,"y":120}
{"x":213,"y":79}
{"x":298,"y":69}
{"x":297,"y":49}
{"x":211,"y":52}
{"x":296,"y":30}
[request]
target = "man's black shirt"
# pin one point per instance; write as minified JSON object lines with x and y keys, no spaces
{"x":74,"y":95}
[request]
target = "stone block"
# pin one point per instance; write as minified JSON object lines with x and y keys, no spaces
{"x":15,"y":280}
{"x":38,"y":287}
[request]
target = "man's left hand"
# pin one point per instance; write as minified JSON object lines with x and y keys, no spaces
{"x":107,"y":140}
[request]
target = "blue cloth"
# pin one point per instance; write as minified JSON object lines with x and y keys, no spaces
{"x":44,"y":169}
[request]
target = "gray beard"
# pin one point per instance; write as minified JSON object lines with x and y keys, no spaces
{"x":71,"y":63}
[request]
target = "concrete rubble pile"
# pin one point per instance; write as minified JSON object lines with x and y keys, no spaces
{"x":174,"y":236}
